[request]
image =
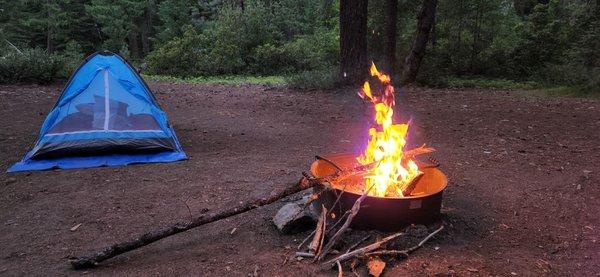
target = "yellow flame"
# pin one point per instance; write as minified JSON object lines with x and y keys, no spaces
{"x":393,"y":171}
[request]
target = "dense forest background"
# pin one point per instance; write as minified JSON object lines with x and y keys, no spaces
{"x":548,"y":42}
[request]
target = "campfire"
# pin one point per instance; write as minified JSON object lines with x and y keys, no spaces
{"x":386,"y":188}
{"x":399,"y":188}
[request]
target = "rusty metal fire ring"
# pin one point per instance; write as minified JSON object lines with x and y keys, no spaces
{"x":379,"y":213}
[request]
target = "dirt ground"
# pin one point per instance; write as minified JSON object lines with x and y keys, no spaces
{"x":523,"y":197}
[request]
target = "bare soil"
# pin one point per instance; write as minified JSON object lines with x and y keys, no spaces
{"x":523,"y":197}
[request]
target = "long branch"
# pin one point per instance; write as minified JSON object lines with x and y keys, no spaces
{"x":93,"y":259}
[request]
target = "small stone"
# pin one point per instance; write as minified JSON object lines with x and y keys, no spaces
{"x":292,"y":218}
{"x":10,"y":180}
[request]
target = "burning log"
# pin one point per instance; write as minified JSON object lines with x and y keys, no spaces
{"x":406,"y":191}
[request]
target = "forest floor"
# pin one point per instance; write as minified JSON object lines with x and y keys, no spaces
{"x":523,"y":198}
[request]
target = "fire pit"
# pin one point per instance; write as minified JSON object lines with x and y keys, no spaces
{"x":398,"y":189}
{"x":422,"y":206}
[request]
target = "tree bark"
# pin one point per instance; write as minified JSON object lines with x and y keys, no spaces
{"x":392,"y":21}
{"x":426,"y":19}
{"x":353,"y":40}
{"x":134,"y":43}
{"x":49,"y":47}
{"x":146,"y":28}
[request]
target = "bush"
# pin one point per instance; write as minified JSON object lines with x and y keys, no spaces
{"x":72,"y":57}
{"x":267,"y":59}
{"x":249,"y":41}
{"x":312,"y":52}
{"x":179,"y":56}
{"x":572,"y":74}
{"x":32,"y":66}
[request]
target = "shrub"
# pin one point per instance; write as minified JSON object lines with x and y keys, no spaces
{"x":572,"y":74}
{"x":71,"y":57}
{"x":250,"y":41}
{"x":311,"y":52}
{"x":267,"y":59}
{"x":31,"y":66}
{"x":179,"y":56}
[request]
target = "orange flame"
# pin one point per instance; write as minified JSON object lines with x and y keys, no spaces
{"x":393,"y":169}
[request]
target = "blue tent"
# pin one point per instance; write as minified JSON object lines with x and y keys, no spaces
{"x":105,"y":116}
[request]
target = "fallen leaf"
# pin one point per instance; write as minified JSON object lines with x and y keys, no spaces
{"x":376,"y":266}
{"x":74,"y":228}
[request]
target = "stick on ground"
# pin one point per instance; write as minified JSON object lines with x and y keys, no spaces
{"x":407,"y":251}
{"x":317,"y":243}
{"x":363,"y":250}
{"x":353,"y":211}
{"x":93,"y":259}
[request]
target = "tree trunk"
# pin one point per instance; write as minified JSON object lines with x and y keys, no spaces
{"x":412,"y":63}
{"x":48,"y":28}
{"x":392,"y":21}
{"x":146,"y":27}
{"x":134,"y":44}
{"x":476,"y":36}
{"x":353,"y":40}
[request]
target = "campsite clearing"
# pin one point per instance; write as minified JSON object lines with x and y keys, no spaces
{"x":523,"y":194}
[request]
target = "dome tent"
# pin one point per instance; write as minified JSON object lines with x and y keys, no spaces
{"x":105,"y":116}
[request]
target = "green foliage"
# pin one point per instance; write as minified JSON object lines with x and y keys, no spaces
{"x":179,"y":56}
{"x":71,"y":58}
{"x":250,"y":41}
{"x":552,"y":42}
{"x":223,"y":79}
{"x":31,"y":66}
{"x":486,"y":83}
{"x":117,"y":19}
{"x":543,"y":39}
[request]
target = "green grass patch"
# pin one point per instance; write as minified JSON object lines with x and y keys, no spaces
{"x":484,"y":83}
{"x":225,"y":80}
{"x":563,"y":91}
{"x":529,"y":88}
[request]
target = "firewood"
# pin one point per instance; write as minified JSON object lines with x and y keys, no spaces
{"x":423,"y":149}
{"x":408,"y":189}
{"x":407,"y":251}
{"x":363,"y":250}
{"x":329,"y":162}
{"x":358,"y":243}
{"x":317,"y":243}
{"x":371,"y":249}
{"x":353,"y":211}
{"x":94,"y":258}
